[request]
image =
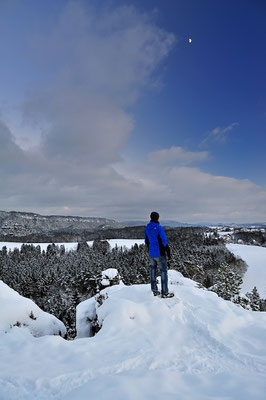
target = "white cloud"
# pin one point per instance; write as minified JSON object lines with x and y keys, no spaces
{"x":219,"y":133}
{"x":128,"y":190}
{"x":93,"y":62}
{"x":222,"y":131}
{"x":177,"y":155}
{"x":191,"y":195}
{"x":96,"y":63}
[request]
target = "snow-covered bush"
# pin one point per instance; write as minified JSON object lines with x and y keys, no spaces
{"x":110,"y":277}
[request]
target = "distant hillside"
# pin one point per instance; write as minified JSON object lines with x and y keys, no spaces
{"x":174,"y":224}
{"x":164,"y":222}
{"x":19,"y":225}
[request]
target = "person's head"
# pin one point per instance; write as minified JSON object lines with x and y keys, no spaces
{"x":154,"y":216}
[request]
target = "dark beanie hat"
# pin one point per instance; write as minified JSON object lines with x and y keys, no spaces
{"x":154,"y":216}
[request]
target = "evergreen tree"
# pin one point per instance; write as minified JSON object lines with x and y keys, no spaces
{"x":101,"y":245}
{"x":243,"y":301}
{"x":82,"y":246}
{"x":208,"y":281}
{"x":254,"y":299}
{"x":263,"y":305}
{"x":227,"y":283}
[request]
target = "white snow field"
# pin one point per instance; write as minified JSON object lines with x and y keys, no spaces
{"x":255,"y":257}
{"x":192,"y":346}
{"x":124,"y":243}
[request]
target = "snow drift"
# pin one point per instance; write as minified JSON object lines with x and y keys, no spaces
{"x":192,"y":346}
{"x":18,"y":311}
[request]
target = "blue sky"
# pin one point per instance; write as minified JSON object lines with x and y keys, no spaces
{"x":109,"y":110}
{"x":217,"y":80}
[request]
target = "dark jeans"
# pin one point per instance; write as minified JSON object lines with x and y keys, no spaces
{"x":162,"y":263}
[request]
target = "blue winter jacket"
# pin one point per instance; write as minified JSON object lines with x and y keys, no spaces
{"x":155,"y":239}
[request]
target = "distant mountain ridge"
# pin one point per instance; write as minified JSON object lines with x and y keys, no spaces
{"x":165,"y":222}
{"x":19,"y":224}
{"x":174,"y":224}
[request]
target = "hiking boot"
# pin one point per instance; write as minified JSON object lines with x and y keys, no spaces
{"x":167,"y":295}
{"x":156,"y":292}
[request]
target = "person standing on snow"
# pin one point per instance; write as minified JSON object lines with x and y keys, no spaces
{"x":156,"y":241}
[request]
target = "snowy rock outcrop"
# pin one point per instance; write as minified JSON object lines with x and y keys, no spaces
{"x":18,"y":311}
{"x":85,"y":317}
{"x":87,"y":322}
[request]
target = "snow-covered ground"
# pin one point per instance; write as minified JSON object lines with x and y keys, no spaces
{"x":193,"y":346}
{"x":255,"y":257}
{"x":12,"y":245}
{"x":125,"y":243}
{"x":227,"y":233}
